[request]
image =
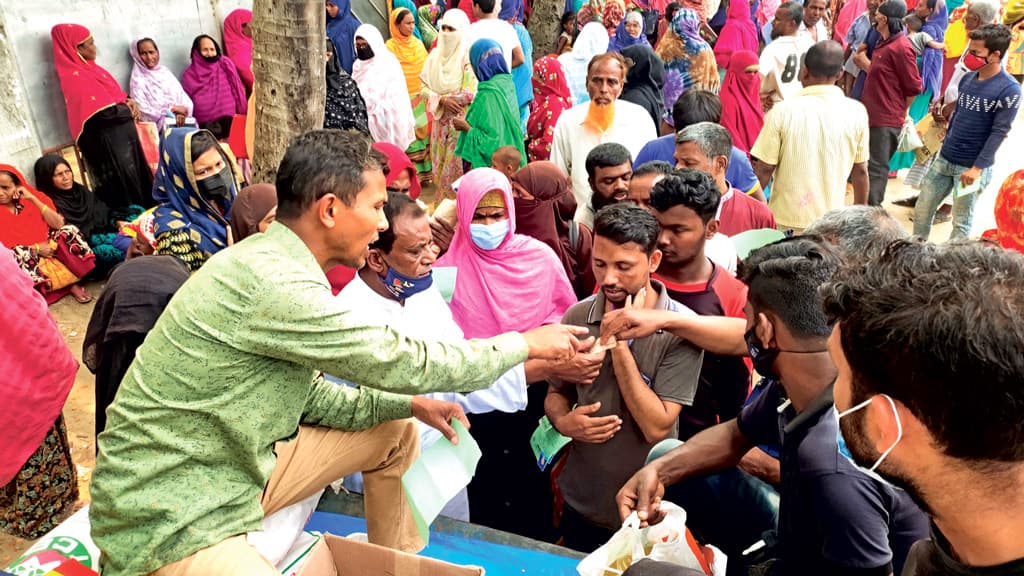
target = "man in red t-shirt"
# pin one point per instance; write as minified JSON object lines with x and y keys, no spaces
{"x":706,"y":146}
{"x":685,"y":203}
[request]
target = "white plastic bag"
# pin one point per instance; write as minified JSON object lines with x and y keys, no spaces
{"x":909,"y":138}
{"x":665,"y":541}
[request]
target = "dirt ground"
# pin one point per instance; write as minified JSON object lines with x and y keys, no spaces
{"x":79,"y":412}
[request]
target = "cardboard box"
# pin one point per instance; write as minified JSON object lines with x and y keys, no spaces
{"x":337,"y":556}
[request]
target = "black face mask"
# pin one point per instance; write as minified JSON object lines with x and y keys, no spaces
{"x":217,"y":187}
{"x":211,"y":59}
{"x":364,"y":52}
{"x":763,"y":358}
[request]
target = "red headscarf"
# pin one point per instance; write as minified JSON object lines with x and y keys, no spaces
{"x":741,"y":105}
{"x":398,"y":161}
{"x":88,"y":88}
{"x":237,"y":45}
{"x":1010,"y":212}
{"x":551,"y":96}
{"x":27,"y":227}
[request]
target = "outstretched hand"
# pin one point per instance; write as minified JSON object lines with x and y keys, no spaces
{"x":554,"y":341}
{"x":642,"y":493}
{"x":438,"y":415}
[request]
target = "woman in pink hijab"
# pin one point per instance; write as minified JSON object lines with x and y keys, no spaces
{"x":38,"y":482}
{"x":739,"y":33}
{"x":238,"y":44}
{"x":506,"y":282}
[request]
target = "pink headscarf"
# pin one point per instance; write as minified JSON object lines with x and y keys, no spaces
{"x":766,"y":12}
{"x":37,"y":365}
{"x":739,"y":33}
{"x":238,"y":46}
{"x":847,"y":14}
{"x":518,"y":286}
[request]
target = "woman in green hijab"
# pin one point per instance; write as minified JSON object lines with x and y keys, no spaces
{"x":493,"y":118}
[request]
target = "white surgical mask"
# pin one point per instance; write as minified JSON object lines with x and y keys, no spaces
{"x":844,"y":451}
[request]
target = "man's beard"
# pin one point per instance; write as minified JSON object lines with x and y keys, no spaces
{"x":600,"y":117}
{"x":597,"y":201}
{"x":865,"y":456}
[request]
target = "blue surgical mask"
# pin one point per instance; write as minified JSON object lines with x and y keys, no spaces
{"x":489,"y":236}
{"x":845,"y":452}
{"x":403,"y":287}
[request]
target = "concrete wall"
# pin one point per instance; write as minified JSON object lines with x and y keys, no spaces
{"x":27,"y":53}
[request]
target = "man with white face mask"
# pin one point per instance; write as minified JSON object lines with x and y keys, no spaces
{"x":833,"y":518}
{"x":929,"y":385}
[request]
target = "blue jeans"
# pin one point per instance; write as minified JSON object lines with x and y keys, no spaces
{"x":937,"y":184}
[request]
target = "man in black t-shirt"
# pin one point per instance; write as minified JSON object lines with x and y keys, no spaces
{"x":927,"y":344}
{"x":833,"y":517}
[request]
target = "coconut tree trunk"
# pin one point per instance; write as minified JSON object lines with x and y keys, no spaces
{"x":544,"y":26}
{"x":288,"y":64}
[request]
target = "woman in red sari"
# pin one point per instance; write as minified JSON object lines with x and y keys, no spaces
{"x":53,"y":254}
{"x":742,"y":114}
{"x":102,"y":122}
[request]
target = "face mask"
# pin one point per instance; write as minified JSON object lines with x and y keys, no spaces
{"x":364,"y":52}
{"x":845,"y":452}
{"x":211,"y":59}
{"x":218,"y":186}
{"x":401,"y":286}
{"x":489,"y":236}
{"x":763,"y":358}
{"x":973,"y":62}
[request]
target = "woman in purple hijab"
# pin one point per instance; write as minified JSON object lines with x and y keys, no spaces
{"x":216,"y":90}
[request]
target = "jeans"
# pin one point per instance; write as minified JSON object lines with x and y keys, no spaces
{"x":938,"y":184}
{"x":882,"y":145}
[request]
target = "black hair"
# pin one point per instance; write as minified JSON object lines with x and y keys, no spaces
{"x":150,"y":40}
{"x":566,"y":18}
{"x":696,"y":106}
{"x":913,"y":22}
{"x":14,"y":177}
{"x":44,"y":169}
{"x":693,"y":189}
{"x":793,"y":10}
{"x":486,"y":6}
{"x":623,"y":65}
{"x":626,"y":222}
{"x":939,"y":328}
{"x":671,"y":9}
{"x":784,"y":278}
{"x":399,"y":204}
{"x":195,"y":43}
{"x":825,"y":59}
{"x":653,"y":167}
{"x":894,"y":12}
{"x":401,"y":16}
{"x":323,"y":162}
{"x":607,"y":155}
{"x":995,"y":36}
{"x":202,"y":141}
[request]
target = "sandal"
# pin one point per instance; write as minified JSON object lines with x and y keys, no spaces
{"x":81,"y":294}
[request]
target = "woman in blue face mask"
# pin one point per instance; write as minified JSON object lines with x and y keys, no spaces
{"x":506,"y":281}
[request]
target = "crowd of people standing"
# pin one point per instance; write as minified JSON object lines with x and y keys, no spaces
{"x":803,"y":401}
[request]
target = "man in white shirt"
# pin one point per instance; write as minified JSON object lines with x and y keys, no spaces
{"x":604,"y":119}
{"x":812,"y":142}
{"x":488,"y":25}
{"x":780,"y":60}
{"x":813,"y":26}
{"x":395,"y":289}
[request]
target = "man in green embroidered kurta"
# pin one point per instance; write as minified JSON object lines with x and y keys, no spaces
{"x":232,"y":367}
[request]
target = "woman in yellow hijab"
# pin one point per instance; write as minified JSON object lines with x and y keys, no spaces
{"x":412,"y":55}
{"x":407,"y":48}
